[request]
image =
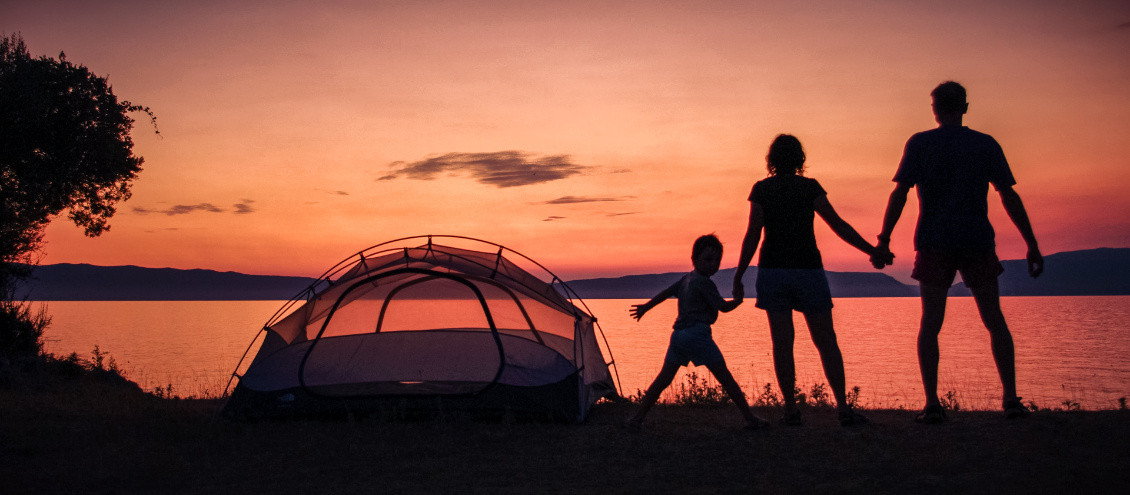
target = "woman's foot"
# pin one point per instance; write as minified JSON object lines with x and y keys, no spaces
{"x":849,"y":417}
{"x":792,"y":418}
{"x":931,"y":415}
{"x":1014,"y":409}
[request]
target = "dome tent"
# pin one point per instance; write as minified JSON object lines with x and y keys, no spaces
{"x":431,"y":327}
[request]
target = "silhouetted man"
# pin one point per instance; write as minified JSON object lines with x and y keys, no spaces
{"x":952,"y":167}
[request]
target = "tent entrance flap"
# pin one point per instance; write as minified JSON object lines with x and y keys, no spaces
{"x":501,"y":361}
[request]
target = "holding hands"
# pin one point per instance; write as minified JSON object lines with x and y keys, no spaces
{"x":881,"y":254}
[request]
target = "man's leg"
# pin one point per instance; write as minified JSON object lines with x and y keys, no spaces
{"x":782,"y":331}
{"x":933,"y":314}
{"x":988,"y":301}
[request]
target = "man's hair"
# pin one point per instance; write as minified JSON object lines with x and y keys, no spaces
{"x":949,"y":97}
{"x":786,"y":156}
{"x":708,"y":241}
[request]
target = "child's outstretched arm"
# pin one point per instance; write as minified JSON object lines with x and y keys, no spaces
{"x":638,"y":310}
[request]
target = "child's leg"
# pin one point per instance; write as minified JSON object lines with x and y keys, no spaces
{"x":726,"y":379}
{"x":782,"y":331}
{"x":666,"y":376}
{"x":824,"y":336}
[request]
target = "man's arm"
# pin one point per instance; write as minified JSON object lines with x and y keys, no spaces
{"x":638,"y":310}
{"x":749,"y":246}
{"x":1015,"y":208}
{"x":895,"y":204}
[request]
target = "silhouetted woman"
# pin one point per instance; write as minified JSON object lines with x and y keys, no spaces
{"x":790,"y":272}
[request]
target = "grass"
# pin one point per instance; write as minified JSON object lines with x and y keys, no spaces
{"x":92,"y":432}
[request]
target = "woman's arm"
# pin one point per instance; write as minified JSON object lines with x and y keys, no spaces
{"x":749,"y":245}
{"x":841,"y":227}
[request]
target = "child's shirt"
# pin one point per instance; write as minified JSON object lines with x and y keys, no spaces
{"x":699,"y":300}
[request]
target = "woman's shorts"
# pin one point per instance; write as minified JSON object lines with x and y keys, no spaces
{"x":693,"y":344}
{"x":786,"y":289}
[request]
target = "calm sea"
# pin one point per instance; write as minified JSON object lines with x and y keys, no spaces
{"x":1073,"y":349}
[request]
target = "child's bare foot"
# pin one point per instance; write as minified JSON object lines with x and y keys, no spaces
{"x":757,"y":423}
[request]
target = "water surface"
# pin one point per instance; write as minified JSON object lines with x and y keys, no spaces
{"x":1074,"y":349}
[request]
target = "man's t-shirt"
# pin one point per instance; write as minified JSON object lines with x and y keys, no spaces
{"x":699,"y":300}
{"x":788,"y":206}
{"x":952,"y":168}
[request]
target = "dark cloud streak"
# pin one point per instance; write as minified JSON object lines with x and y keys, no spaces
{"x":500,"y":169}
{"x":566,"y":200}
{"x":244,"y":207}
{"x":241,"y":208}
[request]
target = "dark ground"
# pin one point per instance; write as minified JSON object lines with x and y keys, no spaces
{"x":82,"y":435}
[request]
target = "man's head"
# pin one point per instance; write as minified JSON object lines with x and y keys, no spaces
{"x":707,"y":254}
{"x":949,"y":100}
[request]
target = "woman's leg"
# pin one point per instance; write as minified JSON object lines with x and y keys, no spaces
{"x":782,"y":332}
{"x":824,"y":336}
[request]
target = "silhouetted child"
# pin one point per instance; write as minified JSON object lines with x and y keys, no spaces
{"x":691,"y":341}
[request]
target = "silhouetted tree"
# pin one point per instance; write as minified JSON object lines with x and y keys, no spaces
{"x":64,"y":145}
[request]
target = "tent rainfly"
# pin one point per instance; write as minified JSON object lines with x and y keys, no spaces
{"x":426,"y":326}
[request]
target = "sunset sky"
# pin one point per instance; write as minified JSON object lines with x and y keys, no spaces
{"x":599,"y":138}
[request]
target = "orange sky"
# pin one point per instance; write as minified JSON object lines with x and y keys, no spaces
{"x":296,"y":133}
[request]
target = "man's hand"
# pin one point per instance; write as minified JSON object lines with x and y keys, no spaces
{"x":1035,"y":263}
{"x":882,"y":255}
{"x":739,"y":290}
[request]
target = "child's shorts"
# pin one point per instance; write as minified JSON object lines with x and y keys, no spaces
{"x":693,"y":344}
{"x":786,"y":289}
{"x":937,"y":269}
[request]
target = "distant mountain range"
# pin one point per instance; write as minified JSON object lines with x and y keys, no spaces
{"x":82,"y":282}
{"x":1092,"y":272}
{"x":1103,"y":271}
{"x":843,"y":284}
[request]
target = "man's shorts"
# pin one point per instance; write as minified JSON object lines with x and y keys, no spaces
{"x":693,"y":344}
{"x":786,"y":289}
{"x":937,"y":268}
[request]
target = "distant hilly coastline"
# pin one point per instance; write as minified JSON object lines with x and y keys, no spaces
{"x":843,"y":284}
{"x":1103,"y":271}
{"x":82,"y":282}
{"x":1092,"y":272}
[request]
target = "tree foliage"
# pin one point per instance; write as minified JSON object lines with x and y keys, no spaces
{"x":66,"y":146}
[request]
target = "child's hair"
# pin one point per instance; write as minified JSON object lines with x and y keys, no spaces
{"x":786,"y":156}
{"x":949,"y":97}
{"x":708,"y":241}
